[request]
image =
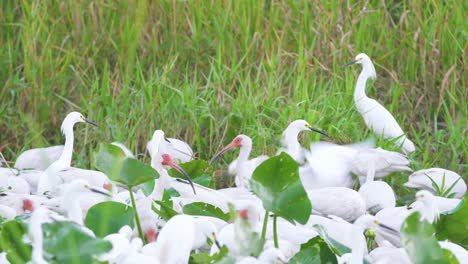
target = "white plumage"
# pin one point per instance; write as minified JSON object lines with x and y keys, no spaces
{"x":443,"y":178}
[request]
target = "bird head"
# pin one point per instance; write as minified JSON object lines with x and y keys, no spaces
{"x":167,"y":160}
{"x":367,"y":65}
{"x":302,"y":125}
{"x":73,"y":118}
{"x":237,"y":142}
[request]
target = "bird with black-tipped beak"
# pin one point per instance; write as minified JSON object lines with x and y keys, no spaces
{"x":375,"y":115}
{"x":290,"y":141}
{"x":50,"y":178}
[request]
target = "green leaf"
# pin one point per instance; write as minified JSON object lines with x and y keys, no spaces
{"x":112,"y":161}
{"x":315,"y":250}
{"x":166,"y":210}
{"x":200,"y":208}
{"x":454,"y":225}
{"x":335,"y":246}
{"x":65,"y":242}
{"x":198,"y":170}
{"x":108,"y":217}
{"x":11,"y":241}
{"x":276,"y":182}
{"x":419,"y":241}
{"x":202,"y":258}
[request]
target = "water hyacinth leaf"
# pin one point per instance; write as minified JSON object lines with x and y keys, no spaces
{"x":315,"y":250}
{"x":108,"y":217}
{"x":418,"y":239}
{"x":276,"y":182}
{"x":112,"y":161}
{"x":65,"y":242}
{"x":11,"y":242}
{"x":200,"y":208}
{"x":198,"y":170}
{"x":337,"y":248}
{"x":166,"y":210}
{"x":454,"y":225}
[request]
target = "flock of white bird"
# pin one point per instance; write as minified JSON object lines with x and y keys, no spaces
{"x":43,"y":184}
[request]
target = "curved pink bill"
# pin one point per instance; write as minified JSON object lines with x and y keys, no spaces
{"x":224,"y":150}
{"x":167,"y":160}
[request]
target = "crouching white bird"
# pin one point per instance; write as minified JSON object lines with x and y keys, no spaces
{"x":339,"y":201}
{"x":178,"y":149}
{"x":379,"y":163}
{"x":448,"y":182}
{"x":38,"y":158}
{"x":376,"y":117}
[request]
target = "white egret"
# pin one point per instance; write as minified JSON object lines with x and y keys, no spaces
{"x":429,"y":210}
{"x":378,"y":162}
{"x":444,"y":179}
{"x":444,"y":205}
{"x":38,"y":158}
{"x":340,"y":201}
{"x":329,"y":165}
{"x":376,"y":117}
{"x":459,"y":252}
{"x":178,"y":149}
{"x":50,"y":179}
{"x":243,"y":166}
{"x":290,"y":143}
{"x":268,"y":256}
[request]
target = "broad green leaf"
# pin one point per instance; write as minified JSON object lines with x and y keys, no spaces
{"x":315,"y":250}
{"x":65,"y":242}
{"x":202,"y":258}
{"x":166,"y":210}
{"x":276,"y":182}
{"x":419,"y":241}
{"x":112,"y":161}
{"x":198,"y":170}
{"x":200,"y":208}
{"x":11,"y":241}
{"x":337,"y":248}
{"x":108,"y":217}
{"x":454,"y":225}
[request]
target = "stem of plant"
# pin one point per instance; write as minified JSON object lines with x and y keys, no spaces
{"x":265,"y":223}
{"x":275,"y":233}
{"x":137,"y":218}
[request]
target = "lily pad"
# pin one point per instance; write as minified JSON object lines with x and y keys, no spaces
{"x":108,"y":217}
{"x":418,"y":238}
{"x":65,"y":242}
{"x":112,"y":161}
{"x":200,"y":208}
{"x":276,"y":182}
{"x":454,"y":225}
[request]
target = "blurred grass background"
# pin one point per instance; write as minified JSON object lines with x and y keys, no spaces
{"x":205,"y":71}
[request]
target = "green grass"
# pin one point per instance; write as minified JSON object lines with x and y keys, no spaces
{"x":205,"y":71}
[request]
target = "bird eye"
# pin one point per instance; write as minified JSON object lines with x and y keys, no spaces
{"x":9,"y":188}
{"x":82,"y":117}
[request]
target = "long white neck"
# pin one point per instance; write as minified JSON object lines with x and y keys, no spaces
{"x":430,"y":210}
{"x":242,"y":159}
{"x":293,"y":147}
{"x":357,"y":248}
{"x":67,"y":153}
{"x":161,"y":184}
{"x":360,"y":91}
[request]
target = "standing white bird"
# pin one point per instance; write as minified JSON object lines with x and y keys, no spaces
{"x":290,"y":143}
{"x":243,"y":166}
{"x":376,"y":116}
{"x":178,"y":149}
{"x":339,"y":201}
{"x":50,"y":179}
{"x":445,"y":179}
